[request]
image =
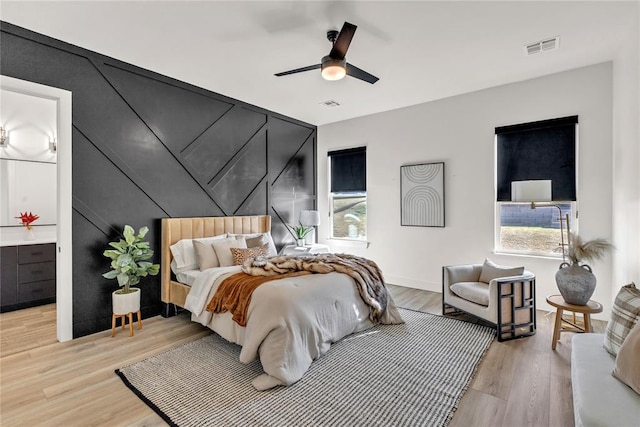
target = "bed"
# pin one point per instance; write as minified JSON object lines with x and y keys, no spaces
{"x":290,"y":322}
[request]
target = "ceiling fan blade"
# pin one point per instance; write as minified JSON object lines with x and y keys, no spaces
{"x":298,"y":70}
{"x":356,"y":72}
{"x":341,"y":45}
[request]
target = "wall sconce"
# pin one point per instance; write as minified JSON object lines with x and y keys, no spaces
{"x":4,"y":138}
{"x":540,"y":191}
{"x":53,"y":146}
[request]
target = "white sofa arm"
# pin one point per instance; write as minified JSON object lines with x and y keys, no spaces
{"x":526,"y":275}
{"x":461,"y":273}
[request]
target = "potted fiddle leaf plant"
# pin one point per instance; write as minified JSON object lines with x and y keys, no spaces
{"x":129,"y":263}
{"x":576,"y":282}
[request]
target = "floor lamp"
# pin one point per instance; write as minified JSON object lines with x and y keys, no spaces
{"x":539,"y":191}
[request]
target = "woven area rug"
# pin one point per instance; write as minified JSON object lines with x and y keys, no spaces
{"x":389,"y":375}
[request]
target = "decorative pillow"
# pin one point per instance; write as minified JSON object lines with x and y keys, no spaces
{"x":223,"y":251}
{"x":184,"y":253}
{"x":472,"y":291}
{"x":492,"y":271}
{"x":205,"y":254}
{"x":258,"y":239}
{"x":624,"y":315}
{"x":627,"y":367}
{"x":241,"y":255}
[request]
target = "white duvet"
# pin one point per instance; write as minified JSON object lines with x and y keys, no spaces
{"x":290,"y":322}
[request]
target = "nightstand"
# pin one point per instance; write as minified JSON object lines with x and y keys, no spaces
{"x":302,"y":250}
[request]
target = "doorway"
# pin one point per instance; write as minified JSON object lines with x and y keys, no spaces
{"x":64,"y":276}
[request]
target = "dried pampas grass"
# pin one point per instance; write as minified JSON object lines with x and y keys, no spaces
{"x":590,"y":250}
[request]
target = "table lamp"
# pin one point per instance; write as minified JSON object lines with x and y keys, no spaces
{"x":309,"y":218}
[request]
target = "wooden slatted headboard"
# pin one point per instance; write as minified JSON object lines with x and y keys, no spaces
{"x":176,"y":229}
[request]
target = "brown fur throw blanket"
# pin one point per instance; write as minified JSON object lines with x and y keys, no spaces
{"x":366,"y":274}
{"x":234,"y":294}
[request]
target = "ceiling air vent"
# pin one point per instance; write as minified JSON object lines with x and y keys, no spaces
{"x":330,"y":103}
{"x":542,"y":45}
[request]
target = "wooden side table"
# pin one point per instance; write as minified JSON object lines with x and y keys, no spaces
{"x":561,"y":305}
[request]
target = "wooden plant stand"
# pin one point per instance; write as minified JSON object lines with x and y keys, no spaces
{"x":114,"y":317}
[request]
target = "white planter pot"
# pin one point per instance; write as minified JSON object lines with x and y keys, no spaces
{"x":126,"y":303}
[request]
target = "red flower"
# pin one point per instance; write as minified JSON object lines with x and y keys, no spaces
{"x":27,"y":218}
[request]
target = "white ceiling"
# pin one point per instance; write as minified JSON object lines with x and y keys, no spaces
{"x":420,"y":50}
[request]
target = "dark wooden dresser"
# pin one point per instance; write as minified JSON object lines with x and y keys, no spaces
{"x":27,"y":276}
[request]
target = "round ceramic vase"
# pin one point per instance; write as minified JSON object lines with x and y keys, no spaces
{"x":576,"y":283}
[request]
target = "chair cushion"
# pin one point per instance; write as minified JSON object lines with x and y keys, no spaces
{"x":625,"y":313}
{"x":477,"y":292}
{"x":491,"y":271}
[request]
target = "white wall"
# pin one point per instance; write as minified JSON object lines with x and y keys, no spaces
{"x":626,"y":158}
{"x":460,"y":132}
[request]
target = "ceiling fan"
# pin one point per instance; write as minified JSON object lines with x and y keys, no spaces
{"x":335,"y":66}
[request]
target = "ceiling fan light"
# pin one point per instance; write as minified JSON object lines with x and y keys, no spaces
{"x":333,"y":69}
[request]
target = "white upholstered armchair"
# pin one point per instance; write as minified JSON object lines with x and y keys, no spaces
{"x":503,"y":296}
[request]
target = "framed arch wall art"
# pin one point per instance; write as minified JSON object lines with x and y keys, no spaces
{"x":422,"y":195}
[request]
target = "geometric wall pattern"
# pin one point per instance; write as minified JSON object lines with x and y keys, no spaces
{"x":146,"y":146}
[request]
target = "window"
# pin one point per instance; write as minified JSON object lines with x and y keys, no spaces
{"x":532,"y":231}
{"x":348,"y":194}
{"x":544,"y":150}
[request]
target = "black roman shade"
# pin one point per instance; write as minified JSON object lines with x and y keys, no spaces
{"x":538,"y":151}
{"x":348,"y":170}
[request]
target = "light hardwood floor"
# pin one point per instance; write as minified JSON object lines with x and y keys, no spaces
{"x":43,"y":382}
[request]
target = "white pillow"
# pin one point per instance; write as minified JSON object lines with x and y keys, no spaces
{"x":184,"y":254}
{"x":205,"y":254}
{"x":223,"y":249}
{"x":491,"y":270}
{"x":266,"y":238}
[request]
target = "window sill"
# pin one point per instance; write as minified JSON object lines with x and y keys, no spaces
{"x":526,"y":255}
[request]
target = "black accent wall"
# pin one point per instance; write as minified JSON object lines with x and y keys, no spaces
{"x":146,"y":146}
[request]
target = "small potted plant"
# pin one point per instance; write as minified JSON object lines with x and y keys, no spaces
{"x":576,"y":281}
{"x":300,"y":232}
{"x":128,"y":263}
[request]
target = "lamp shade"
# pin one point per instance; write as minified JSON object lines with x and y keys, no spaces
{"x":531,"y":191}
{"x":309,"y":218}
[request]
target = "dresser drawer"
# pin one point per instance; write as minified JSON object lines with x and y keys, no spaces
{"x":36,"y":253}
{"x":36,"y":290}
{"x":36,"y":271}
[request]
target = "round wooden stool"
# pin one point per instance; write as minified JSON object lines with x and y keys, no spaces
{"x":122,"y":318}
{"x":561,"y":305}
